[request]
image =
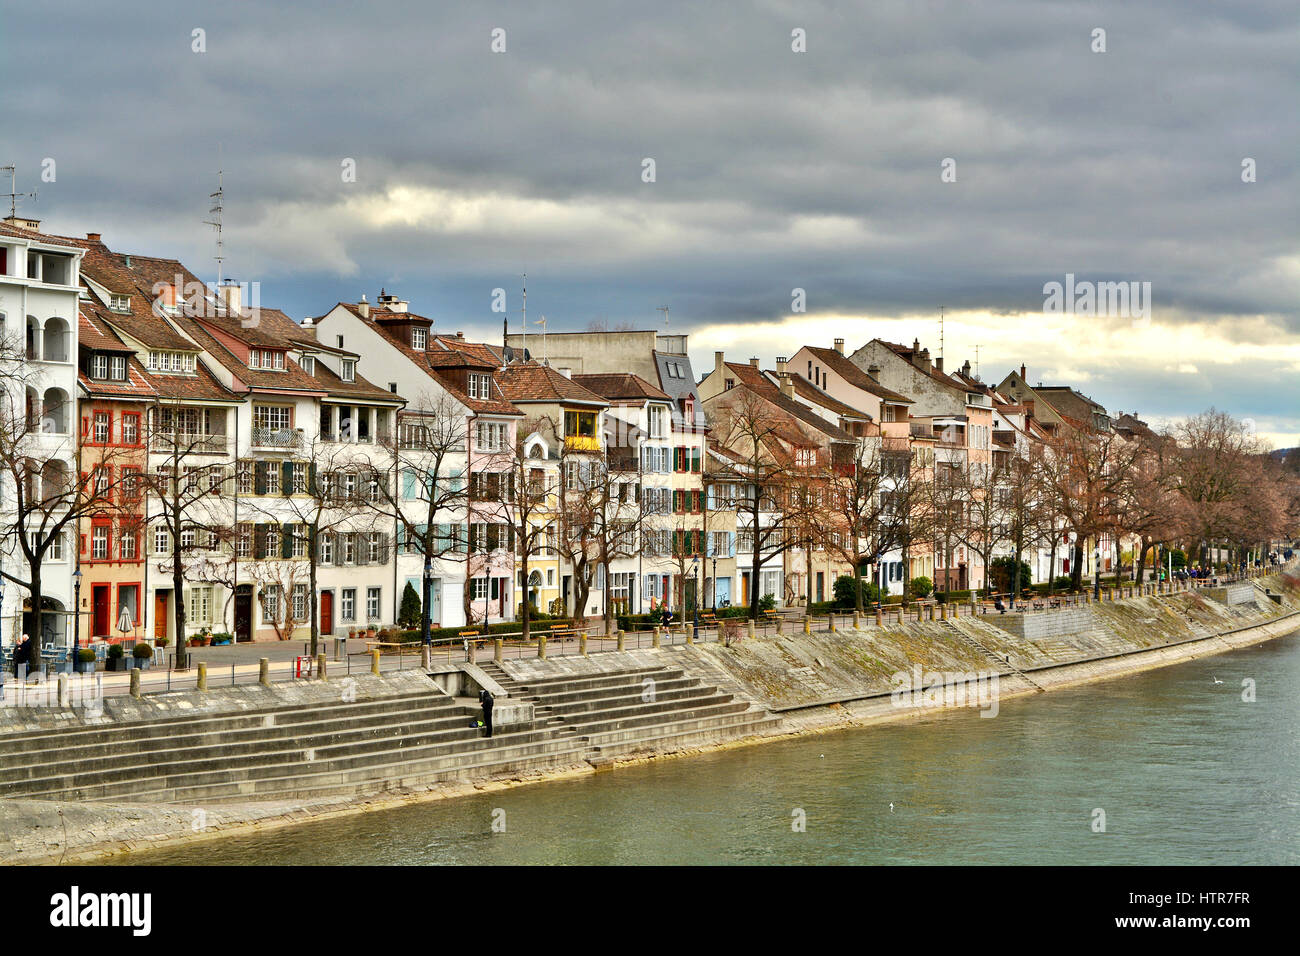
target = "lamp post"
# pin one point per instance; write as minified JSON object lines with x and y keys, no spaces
{"x":76,"y":617}
{"x":695,"y":603}
{"x":425,"y":587}
{"x":1096,"y":574}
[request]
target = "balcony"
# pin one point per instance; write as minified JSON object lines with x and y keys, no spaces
{"x":277,"y":439}
{"x":582,"y":443}
{"x":189,"y":442}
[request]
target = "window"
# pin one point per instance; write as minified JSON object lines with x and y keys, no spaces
{"x":275,"y":417}
{"x":348,"y":548}
{"x":479,"y":590}
{"x":374,"y":545}
{"x":187,"y":539}
{"x":419,"y":339}
{"x":490,"y":436}
{"x":272,"y":542}
{"x":130,"y":428}
{"x":372,"y":604}
{"x":271,"y":603}
{"x":277,"y":361}
{"x":327,"y":551}
{"x":299,"y":477}
{"x":244,"y":478}
{"x":348,"y":370}
{"x":580,"y":424}
{"x":102,"y":480}
{"x":130,"y":483}
{"x":200,"y":609}
{"x":127,"y":544}
{"x":480,"y":386}
{"x":119,"y":303}
{"x":117,"y":368}
{"x":273,"y":478}
{"x":244,"y":540}
{"x":658,"y":421}
{"x":299,"y":541}
{"x":99,"y":542}
{"x":300,"y":602}
{"x":348,"y":604}
{"x":99,"y":366}
{"x":103,"y":428}
{"x":162,"y":541}
{"x":309,"y":364}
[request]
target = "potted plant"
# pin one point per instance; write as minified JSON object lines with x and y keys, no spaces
{"x":116,"y":657}
{"x":371,"y":631}
{"x":162,"y":641}
{"x":86,"y":660}
{"x":222,"y":638}
{"x":143,"y":655}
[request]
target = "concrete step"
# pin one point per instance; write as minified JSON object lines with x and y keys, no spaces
{"x":602,"y":723}
{"x":125,"y":744}
{"x":632,"y":697}
{"x":687,"y":738}
{"x":669,"y":725}
{"x":564,"y":683}
{"x":563,"y":698}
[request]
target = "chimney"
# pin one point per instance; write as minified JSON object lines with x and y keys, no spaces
{"x":781,"y":362}
{"x":231,"y":296}
{"x":839,"y":346}
{"x":916,"y":345}
{"x":965,"y":369}
{"x":873,"y":372}
{"x":308,"y":322}
{"x":93,"y":236}
{"x":1022,"y":374}
{"x":938,"y":363}
{"x":754,"y":361}
{"x":363,"y":307}
{"x":719,"y":362}
{"x":787,"y":385}
{"x":922,"y":359}
{"x":1029,"y":409}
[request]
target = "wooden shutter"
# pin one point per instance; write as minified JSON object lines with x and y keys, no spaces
{"x":259,"y":478}
{"x":286,"y":479}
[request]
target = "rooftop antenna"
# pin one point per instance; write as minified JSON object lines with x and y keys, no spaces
{"x":523,"y":351}
{"x":941,"y":308}
{"x":218,"y":207}
{"x":546,"y":357}
{"x":14,"y":195}
{"x":977,"y":360}
{"x":664,"y":310}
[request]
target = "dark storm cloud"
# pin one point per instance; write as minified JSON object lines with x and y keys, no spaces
{"x":774,"y":169}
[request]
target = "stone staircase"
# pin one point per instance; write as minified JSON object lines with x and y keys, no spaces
{"x":276,"y":752}
{"x":637,"y":710}
{"x":997,"y":659}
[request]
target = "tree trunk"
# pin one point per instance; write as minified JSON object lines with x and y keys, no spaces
{"x":526,"y":614}
{"x":34,"y":593}
{"x":178,"y":604}
{"x":312,"y":608}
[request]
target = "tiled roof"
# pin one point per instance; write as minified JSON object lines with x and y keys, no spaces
{"x":532,"y":382}
{"x":846,"y":370}
{"x":753,"y":379}
{"x":202,"y":386}
{"x":360,"y":389}
{"x":821,"y":397}
{"x":18,"y":232}
{"x":621,"y":385}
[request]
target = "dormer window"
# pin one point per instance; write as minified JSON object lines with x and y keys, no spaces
{"x":348,"y":370}
{"x":171,"y":361}
{"x":480,"y":386}
{"x":309,"y":364}
{"x":265,"y":358}
{"x":419,"y":339}
{"x":119,"y":303}
{"x":99,"y":366}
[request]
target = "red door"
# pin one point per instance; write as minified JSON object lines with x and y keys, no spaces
{"x":160,"y":613}
{"x":102,"y":617}
{"x":327,"y":612}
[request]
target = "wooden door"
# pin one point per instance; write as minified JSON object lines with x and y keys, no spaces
{"x":327,"y":612}
{"x":160,"y":614}
{"x":102,"y":611}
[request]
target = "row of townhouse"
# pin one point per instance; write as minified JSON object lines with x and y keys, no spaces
{"x":250,"y":473}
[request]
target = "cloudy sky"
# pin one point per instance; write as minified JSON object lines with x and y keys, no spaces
{"x":774,"y":170}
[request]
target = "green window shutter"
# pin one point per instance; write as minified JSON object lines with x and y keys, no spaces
{"x":286,"y":540}
{"x":259,"y":541}
{"x":259,"y":477}
{"x":311,"y":480}
{"x":286,"y":479}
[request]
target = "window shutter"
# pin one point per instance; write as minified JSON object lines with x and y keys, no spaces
{"x":408,"y":483}
{"x":259,"y":541}
{"x":286,"y":479}
{"x":286,"y":539}
{"x":259,"y":478}
{"x":311,"y":480}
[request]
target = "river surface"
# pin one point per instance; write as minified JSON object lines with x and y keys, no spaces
{"x":1185,"y":771}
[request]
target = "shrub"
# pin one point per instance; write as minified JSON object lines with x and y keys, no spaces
{"x":920,"y":586}
{"x":142,"y":650}
{"x":409,"y":613}
{"x":86,"y":655}
{"x":1002,"y":571}
{"x":843,"y":590}
{"x":115,"y":651}
{"x":767,"y":602}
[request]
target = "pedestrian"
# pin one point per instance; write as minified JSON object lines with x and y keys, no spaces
{"x":997,"y":603}
{"x":485,"y":698}
{"x":667,"y":616}
{"x":22,"y":653}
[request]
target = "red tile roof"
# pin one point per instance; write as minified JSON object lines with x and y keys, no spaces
{"x":855,"y":376}
{"x":623,"y":386}
{"x":532,"y":382}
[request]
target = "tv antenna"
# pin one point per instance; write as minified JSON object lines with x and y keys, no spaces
{"x":218,"y":207}
{"x":664,"y":310}
{"x":14,"y":195}
{"x":941,"y":308}
{"x":977,"y":361}
{"x":546,"y":359}
{"x":523,"y":349}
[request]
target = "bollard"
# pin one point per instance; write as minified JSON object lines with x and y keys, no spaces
{"x":943,"y":612}
{"x":374,"y":660}
{"x":622,"y":638}
{"x":582,"y":643}
{"x":690,"y":637}
{"x":497,"y":653}
{"x":880,"y":617}
{"x":203,"y":675}
{"x":654,"y":641}
{"x":541,"y":647}
{"x":751,"y":630}
{"x":807,"y":625}
{"x":135,"y":682}
{"x":426,"y":656}
{"x":264,"y":671}
{"x":338,"y":646}
{"x":830,"y":623}
{"x":857,"y":620}
{"x":780,"y":625}
{"x":65,"y":699}
{"x":320,"y":666}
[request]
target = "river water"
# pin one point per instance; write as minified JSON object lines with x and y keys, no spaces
{"x":1185,"y":771}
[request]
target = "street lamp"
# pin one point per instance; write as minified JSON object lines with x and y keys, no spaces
{"x":695,"y":567}
{"x":1096,"y":574}
{"x":425,"y":588}
{"x":76,"y":617}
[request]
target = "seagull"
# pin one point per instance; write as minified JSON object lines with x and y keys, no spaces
{"x":1215,"y":679}
{"x":891,"y":807}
